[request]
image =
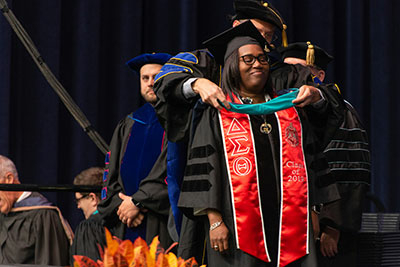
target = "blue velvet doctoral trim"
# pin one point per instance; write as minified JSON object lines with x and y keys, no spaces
{"x":143,"y":148}
{"x":33,"y":200}
{"x":316,"y":80}
{"x":176,"y":161}
{"x":169,"y":68}
{"x":105,"y":175}
{"x":186,"y":56}
{"x":279,"y":103}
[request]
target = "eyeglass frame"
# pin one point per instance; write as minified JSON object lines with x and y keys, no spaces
{"x":273,"y":36}
{"x":77,"y":200}
{"x":254,"y":58}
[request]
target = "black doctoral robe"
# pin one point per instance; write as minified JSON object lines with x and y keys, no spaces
{"x":152,"y":191}
{"x":206,"y":185}
{"x":349,"y":160}
{"x":35,"y":236}
{"x":176,"y":114}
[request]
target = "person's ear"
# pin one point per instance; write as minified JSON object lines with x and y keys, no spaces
{"x":94,"y":198}
{"x":321,"y":75}
{"x":9,"y":178}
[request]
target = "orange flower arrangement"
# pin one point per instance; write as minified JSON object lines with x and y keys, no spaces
{"x":125,"y":254}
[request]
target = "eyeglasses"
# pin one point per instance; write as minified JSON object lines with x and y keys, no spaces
{"x":250,"y":59}
{"x":270,"y":37}
{"x":80,"y":198}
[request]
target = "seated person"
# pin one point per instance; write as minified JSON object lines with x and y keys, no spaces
{"x":89,"y":232}
{"x":32,"y":230}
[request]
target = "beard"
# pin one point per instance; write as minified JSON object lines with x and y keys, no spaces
{"x":150,"y":97}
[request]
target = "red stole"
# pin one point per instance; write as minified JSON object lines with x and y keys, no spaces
{"x":242,"y":167}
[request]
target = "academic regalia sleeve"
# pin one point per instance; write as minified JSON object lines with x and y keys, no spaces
{"x":346,"y":213}
{"x":153,"y":195}
{"x":153,"y":192}
{"x":321,"y":181}
{"x":202,"y":186}
{"x":173,"y":108}
{"x":348,"y":154}
{"x":52,"y":245}
{"x":88,"y":234}
{"x":326,"y":124}
{"x":107,"y":207}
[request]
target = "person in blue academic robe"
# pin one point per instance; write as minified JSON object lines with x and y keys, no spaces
{"x":137,"y":151}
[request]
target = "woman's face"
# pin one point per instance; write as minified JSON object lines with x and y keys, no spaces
{"x":253,"y":76}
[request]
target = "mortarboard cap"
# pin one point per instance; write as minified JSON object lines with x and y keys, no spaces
{"x":312,"y":54}
{"x":256,"y":9}
{"x":155,"y":58}
{"x":223,"y":44}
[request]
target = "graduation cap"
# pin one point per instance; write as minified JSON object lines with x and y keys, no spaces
{"x":155,"y":58}
{"x":256,"y":9}
{"x":225,"y":43}
{"x":312,"y":54}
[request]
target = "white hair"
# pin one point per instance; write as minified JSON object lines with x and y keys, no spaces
{"x":6,"y":165}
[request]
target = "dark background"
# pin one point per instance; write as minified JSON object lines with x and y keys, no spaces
{"x":87,"y":42}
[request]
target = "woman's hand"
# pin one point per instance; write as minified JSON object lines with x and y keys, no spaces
{"x":307,"y":95}
{"x":219,"y":235}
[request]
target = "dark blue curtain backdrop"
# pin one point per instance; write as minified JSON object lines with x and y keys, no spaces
{"x":87,"y":42}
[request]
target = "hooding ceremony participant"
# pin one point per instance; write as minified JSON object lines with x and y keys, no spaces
{"x":89,"y":234}
{"x":189,"y":76}
{"x":138,"y":152}
{"x":32,"y":230}
{"x":248,"y":177}
{"x":348,"y":156}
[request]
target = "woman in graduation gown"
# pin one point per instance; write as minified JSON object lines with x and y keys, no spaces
{"x":248,"y":177}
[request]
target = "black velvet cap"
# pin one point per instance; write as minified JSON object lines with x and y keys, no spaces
{"x":299,"y":50}
{"x":256,"y":9}
{"x":223,"y":44}
{"x":156,"y":58}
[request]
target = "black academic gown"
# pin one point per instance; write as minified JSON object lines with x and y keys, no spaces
{"x":349,"y":160}
{"x":89,"y":235}
{"x":173,"y":109}
{"x":210,"y":166}
{"x":152,"y":191}
{"x":34,"y":236}
{"x":176,"y":114}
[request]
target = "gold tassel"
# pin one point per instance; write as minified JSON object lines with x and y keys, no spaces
{"x":284,"y":27}
{"x":310,"y":57}
{"x":284,"y":36}
{"x":337,"y":87}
